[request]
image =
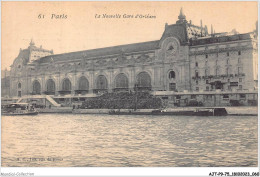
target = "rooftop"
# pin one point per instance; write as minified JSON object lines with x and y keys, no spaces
{"x":108,"y":51}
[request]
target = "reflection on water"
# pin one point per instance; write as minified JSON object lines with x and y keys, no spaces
{"x":106,"y":140}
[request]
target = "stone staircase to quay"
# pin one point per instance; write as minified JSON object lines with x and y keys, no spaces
{"x":47,"y":97}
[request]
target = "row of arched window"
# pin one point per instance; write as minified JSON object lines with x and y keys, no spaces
{"x":121,"y":82}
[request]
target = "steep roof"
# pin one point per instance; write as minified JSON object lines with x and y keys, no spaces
{"x":100,"y":52}
{"x":177,"y":30}
{"x":217,"y":39}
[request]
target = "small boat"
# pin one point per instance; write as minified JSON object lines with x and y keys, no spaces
{"x":16,"y":109}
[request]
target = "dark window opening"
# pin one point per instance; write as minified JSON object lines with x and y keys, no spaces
{"x":172,"y":86}
{"x":196,"y":74}
{"x":225,"y":96}
{"x":242,"y":96}
{"x":172,"y":75}
{"x":170,"y":48}
{"x":193,"y":97}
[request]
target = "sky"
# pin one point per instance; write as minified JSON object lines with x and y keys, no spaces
{"x":81,"y":30}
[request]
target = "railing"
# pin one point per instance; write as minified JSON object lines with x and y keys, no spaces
{"x":120,"y":89}
{"x":217,"y":91}
{"x":64,"y":92}
{"x":100,"y":91}
{"x":222,"y":76}
{"x":49,"y":93}
{"x":83,"y":92}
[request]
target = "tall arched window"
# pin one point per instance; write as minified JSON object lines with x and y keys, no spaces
{"x":171,"y":75}
{"x":121,"y":81}
{"x":36,"y":87}
{"x":196,"y":73}
{"x":227,"y":71}
{"x":19,"y":85}
{"x":101,"y":82}
{"x":217,"y":71}
{"x":83,"y":83}
{"x":66,"y":85}
{"x":144,"y":80}
{"x":50,"y":86}
{"x":206,"y":72}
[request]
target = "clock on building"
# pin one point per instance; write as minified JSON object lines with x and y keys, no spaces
{"x":172,"y":49}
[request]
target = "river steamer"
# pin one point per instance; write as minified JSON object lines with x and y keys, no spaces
{"x":16,"y":109}
{"x":187,"y":112}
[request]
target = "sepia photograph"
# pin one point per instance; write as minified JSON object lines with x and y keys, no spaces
{"x":129,"y":84}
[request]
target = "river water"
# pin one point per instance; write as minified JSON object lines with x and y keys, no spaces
{"x":67,"y":140}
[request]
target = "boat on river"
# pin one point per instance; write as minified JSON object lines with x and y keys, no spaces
{"x":177,"y":111}
{"x":16,"y":109}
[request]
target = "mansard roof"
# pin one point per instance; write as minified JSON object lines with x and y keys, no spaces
{"x":219,"y":39}
{"x":101,"y":52}
{"x":183,"y":31}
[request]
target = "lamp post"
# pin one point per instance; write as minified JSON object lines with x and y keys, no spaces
{"x":135,"y":89}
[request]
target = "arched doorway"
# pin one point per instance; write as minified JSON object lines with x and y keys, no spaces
{"x":172,"y":81}
{"x":50,"y":88}
{"x":83,"y":86}
{"x":36,"y":88}
{"x":143,"y":81}
{"x":101,"y":84}
{"x":121,"y":82}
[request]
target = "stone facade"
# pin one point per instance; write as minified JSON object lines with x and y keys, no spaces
{"x":186,"y":58}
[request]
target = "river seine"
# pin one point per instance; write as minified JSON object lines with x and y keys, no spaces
{"x":67,"y":140}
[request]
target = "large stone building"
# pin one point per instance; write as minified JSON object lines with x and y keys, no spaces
{"x":186,"y":60}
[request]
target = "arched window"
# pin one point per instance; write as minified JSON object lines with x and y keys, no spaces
{"x":66,"y":85}
{"x":227,"y":71}
{"x":217,"y":71}
{"x":143,"y":80}
{"x":83,"y":83}
{"x":206,"y":72}
{"x":196,"y":64}
{"x":171,"y":75}
{"x":121,"y":81}
{"x":50,"y":86}
{"x":19,"y":85}
{"x":196,"y":73}
{"x":101,"y":82}
{"x":36,"y":87}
